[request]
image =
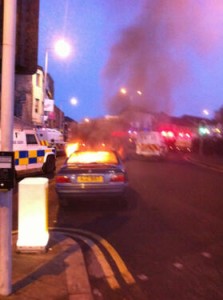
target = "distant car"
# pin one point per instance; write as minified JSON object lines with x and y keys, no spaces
{"x":87,"y":173}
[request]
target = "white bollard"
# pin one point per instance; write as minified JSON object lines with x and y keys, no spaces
{"x":33,"y":232}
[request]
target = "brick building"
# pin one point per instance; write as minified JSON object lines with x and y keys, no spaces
{"x":29,"y":106}
{"x":27,"y":29}
{"x":29,"y":77}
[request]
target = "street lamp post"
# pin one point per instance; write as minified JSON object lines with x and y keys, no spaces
{"x":45,"y":72}
{"x":62,"y":49}
{"x":203,"y":130}
{"x":45,"y":81}
{"x":202,"y":125}
{"x":7,"y":104}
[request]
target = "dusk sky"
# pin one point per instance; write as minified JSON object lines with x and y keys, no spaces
{"x":172,"y":51}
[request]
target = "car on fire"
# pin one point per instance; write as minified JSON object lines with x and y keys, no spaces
{"x":92,"y":173}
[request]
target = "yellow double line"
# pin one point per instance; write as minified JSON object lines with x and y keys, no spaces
{"x":86,"y":236}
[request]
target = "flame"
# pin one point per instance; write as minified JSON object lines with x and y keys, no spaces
{"x":93,"y":156}
{"x":70,"y":148}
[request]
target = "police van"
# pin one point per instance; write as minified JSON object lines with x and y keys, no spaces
{"x":29,"y":155}
{"x":150,"y":144}
{"x":53,"y":138}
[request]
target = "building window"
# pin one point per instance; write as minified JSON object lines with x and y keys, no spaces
{"x":38,"y":79}
{"x":36,"y":106}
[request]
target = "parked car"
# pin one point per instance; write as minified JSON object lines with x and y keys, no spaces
{"x":89,"y":173}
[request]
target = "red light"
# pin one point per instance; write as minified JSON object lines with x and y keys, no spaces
{"x":185,"y":135}
{"x":170,"y":134}
{"x":163,"y":133}
{"x":62,"y":179}
{"x":167,"y":134}
{"x":119,"y":134}
{"x":118,"y":178}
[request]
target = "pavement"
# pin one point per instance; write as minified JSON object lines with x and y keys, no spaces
{"x":60,"y":273}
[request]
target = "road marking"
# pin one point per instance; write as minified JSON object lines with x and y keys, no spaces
{"x":106,"y":268}
{"x":126,"y":275}
{"x":109,"y":275}
{"x":114,"y":254}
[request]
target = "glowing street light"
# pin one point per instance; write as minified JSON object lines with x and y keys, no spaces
{"x":74,"y":101}
{"x":206,"y":112}
{"x":63,"y":50}
{"x":130,"y":96}
{"x":123,"y":91}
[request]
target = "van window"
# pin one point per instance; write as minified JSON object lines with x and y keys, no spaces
{"x":31,"y":139}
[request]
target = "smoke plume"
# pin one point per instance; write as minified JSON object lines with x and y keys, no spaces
{"x":153,"y":55}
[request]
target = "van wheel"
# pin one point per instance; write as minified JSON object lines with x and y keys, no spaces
{"x":50,"y":165}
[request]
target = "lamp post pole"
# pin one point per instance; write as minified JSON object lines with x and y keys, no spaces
{"x":7,"y":109}
{"x":201,"y":145}
{"x":203,"y":132}
{"x":45,"y":82}
{"x":62,"y":48}
{"x":45,"y":72}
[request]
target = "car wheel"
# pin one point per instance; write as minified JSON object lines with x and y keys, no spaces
{"x":50,"y":165}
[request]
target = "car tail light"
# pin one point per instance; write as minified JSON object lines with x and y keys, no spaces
{"x":167,"y":134}
{"x":62,"y":179}
{"x":119,"y":177}
{"x":163,"y":133}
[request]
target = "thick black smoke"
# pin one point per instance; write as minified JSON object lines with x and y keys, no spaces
{"x":154,"y":53}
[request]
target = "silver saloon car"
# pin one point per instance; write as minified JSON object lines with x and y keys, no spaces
{"x":88,"y":173}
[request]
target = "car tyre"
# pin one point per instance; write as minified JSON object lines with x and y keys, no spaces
{"x":50,"y":165}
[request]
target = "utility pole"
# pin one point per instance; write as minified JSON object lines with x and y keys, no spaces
{"x":7,"y":113}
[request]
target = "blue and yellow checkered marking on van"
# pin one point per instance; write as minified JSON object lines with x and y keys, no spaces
{"x":26,"y":157}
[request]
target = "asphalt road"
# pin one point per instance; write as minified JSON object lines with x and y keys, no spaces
{"x":169,"y":237}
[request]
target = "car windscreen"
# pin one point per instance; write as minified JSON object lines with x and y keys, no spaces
{"x":87,"y":157}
